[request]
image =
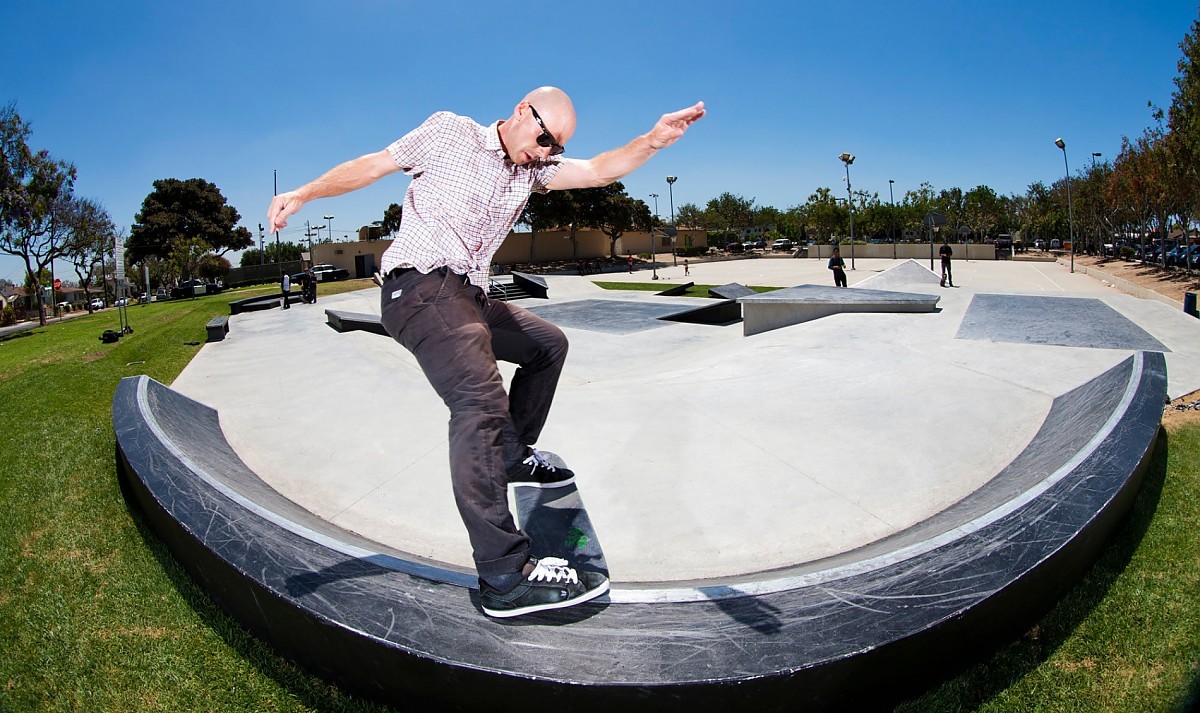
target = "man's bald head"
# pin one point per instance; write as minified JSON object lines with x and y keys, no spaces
{"x":556,"y":110}
{"x":519,"y":133}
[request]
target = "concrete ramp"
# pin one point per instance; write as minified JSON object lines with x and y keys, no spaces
{"x":731,"y":291}
{"x":909,"y":272}
{"x":783,"y":308}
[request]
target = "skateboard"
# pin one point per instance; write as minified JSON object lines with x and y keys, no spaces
{"x":557,"y":522}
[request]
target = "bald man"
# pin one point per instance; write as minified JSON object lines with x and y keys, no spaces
{"x":470,"y":184}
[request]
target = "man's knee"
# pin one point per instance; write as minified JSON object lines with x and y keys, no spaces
{"x":556,"y":344}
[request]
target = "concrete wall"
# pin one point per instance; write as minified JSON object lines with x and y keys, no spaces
{"x":342,"y":254}
{"x":546,"y":246}
{"x":554,"y":245}
{"x":904,"y":251}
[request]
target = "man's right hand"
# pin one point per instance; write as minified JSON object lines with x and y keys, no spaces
{"x":282,"y":206}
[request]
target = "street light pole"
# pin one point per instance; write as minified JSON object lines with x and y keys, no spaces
{"x":892,"y":229}
{"x":315,"y":232}
{"x":277,"y":260}
{"x":1070,"y":209}
{"x":329,"y":222}
{"x":1095,"y":210}
{"x":655,"y":196}
{"x":849,"y":159}
{"x":671,"y":192}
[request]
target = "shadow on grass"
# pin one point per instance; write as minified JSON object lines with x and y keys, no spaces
{"x":308,"y":688}
{"x":18,"y":334}
{"x":983,"y":681}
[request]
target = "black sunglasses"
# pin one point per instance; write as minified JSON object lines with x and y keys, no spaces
{"x":546,"y":140}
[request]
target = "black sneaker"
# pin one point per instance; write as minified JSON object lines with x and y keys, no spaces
{"x":540,"y":470}
{"x":551,"y":585}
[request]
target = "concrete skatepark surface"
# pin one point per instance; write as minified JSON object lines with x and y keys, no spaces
{"x":701,"y":453}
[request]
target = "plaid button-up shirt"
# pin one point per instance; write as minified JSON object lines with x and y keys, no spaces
{"x":464,"y":198}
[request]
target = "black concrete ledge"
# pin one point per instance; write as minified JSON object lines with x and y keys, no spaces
{"x":533,"y":285}
{"x":676,"y":290}
{"x":352,"y":321}
{"x":719,"y":312}
{"x":865,"y":628}
{"x":262,"y":302}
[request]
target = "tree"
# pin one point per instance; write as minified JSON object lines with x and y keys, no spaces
{"x":212,"y":267}
{"x":823,"y":214}
{"x":1183,"y":121}
{"x":570,"y":209}
{"x":188,"y":210}
{"x":186,"y":256}
{"x":949,"y":202}
{"x":285,"y":252}
{"x":542,"y":212}
{"x":689,"y":215}
{"x":35,"y":191}
{"x":620,"y":214}
{"x":391,"y":218}
{"x":981,"y":211}
{"x":730,"y":212}
{"x":90,"y":241}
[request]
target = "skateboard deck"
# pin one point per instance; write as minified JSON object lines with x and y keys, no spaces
{"x":557,"y":522}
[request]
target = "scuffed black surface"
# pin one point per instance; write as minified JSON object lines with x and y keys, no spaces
{"x":410,"y":632}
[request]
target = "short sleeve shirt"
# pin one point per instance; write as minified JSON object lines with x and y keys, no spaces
{"x":465,"y":196}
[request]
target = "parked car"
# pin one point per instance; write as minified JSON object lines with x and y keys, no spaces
{"x":735,"y":248}
{"x":96,"y":303}
{"x":781,"y":244}
{"x":194,"y":288}
{"x":328,"y":273}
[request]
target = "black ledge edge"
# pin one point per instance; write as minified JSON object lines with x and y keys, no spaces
{"x":262,"y":302}
{"x":353,"y":321}
{"x":676,"y":290}
{"x":533,"y":285}
{"x":393,"y":628}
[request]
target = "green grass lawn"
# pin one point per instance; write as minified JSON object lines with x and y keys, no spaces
{"x":95,"y":615}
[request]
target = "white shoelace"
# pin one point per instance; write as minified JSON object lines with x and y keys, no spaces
{"x":553,"y":569}
{"x":537,"y":460}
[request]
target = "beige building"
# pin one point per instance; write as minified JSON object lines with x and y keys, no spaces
{"x":363,"y":257}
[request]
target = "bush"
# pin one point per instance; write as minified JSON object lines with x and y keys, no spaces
{"x":1127,"y":252}
{"x":694,"y":251}
{"x":8,"y":316}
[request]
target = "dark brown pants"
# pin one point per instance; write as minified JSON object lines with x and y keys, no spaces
{"x":457,"y":335}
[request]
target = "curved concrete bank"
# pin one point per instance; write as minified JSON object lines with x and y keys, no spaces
{"x":863,"y":627}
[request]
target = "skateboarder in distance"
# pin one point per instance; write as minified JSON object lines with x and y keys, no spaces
{"x":470,"y":184}
{"x":946,"y":252}
{"x":838,"y":265}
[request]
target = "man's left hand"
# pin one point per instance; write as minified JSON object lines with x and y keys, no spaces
{"x":672,"y":126}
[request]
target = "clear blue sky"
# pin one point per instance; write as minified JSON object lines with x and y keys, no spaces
{"x":953,"y":93}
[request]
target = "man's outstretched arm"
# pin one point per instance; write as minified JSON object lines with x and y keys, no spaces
{"x":615,"y":164}
{"x":347,"y":177}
